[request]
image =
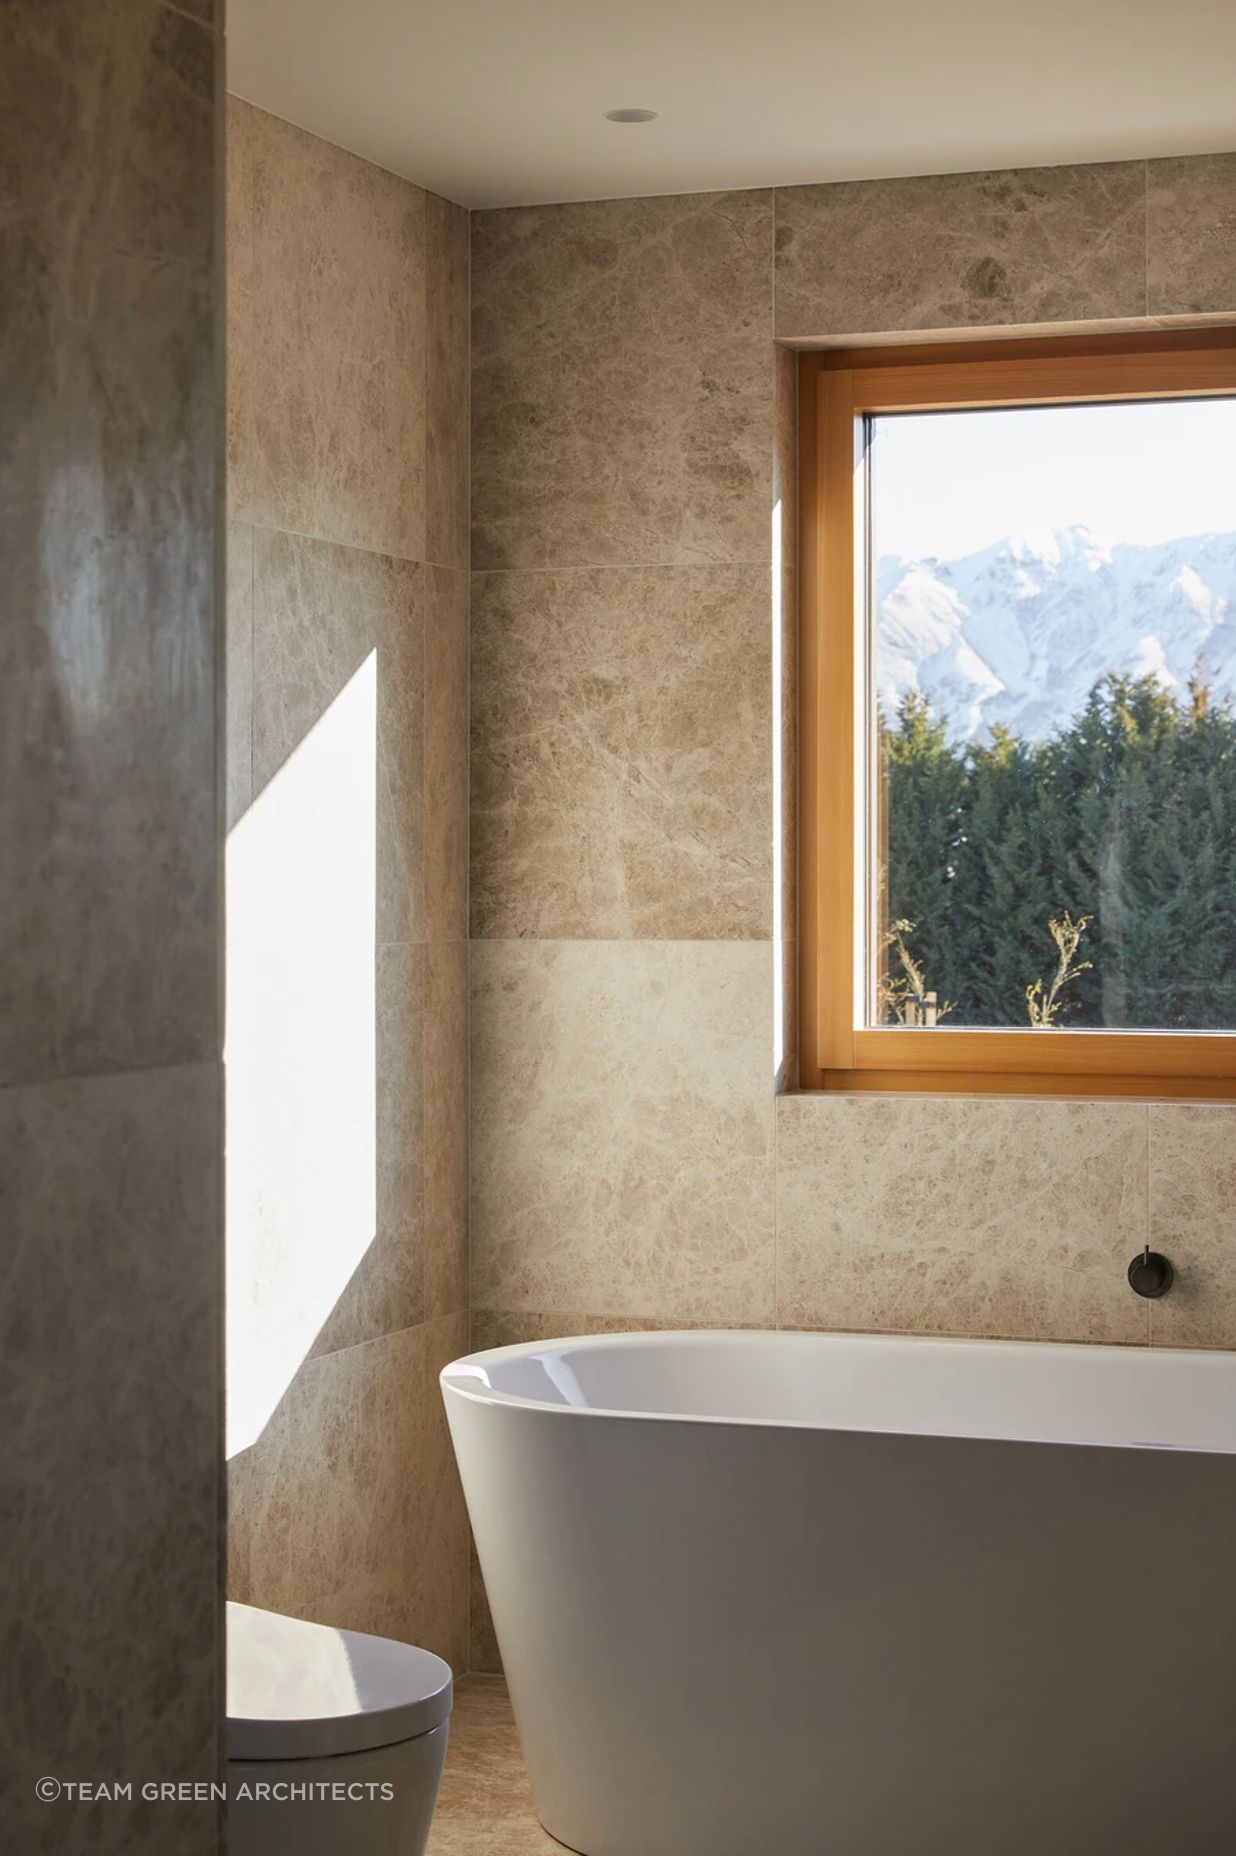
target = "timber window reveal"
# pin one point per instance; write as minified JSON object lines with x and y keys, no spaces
{"x":1018,"y":718}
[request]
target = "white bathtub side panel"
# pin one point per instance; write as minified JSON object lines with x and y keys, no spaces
{"x":727,"y":1639}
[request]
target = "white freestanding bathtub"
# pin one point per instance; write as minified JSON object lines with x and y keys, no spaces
{"x":832,"y":1595}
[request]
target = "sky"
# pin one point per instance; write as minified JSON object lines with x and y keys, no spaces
{"x":949,"y":483}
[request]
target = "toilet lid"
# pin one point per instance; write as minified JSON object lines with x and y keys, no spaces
{"x":305,"y":1691}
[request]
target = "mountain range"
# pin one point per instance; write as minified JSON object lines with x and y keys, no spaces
{"x":1019,"y":632}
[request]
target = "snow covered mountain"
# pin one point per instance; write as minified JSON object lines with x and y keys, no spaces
{"x":1021,"y":631}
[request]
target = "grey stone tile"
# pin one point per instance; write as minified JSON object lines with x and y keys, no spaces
{"x":111,"y":1318}
{"x":111,"y":146}
{"x":108,"y":912}
{"x":238,"y":735}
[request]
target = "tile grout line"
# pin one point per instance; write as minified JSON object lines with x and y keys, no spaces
{"x":355,"y":547}
{"x":628,"y":567}
{"x":615,"y":940}
{"x":195,"y":19}
{"x":312,"y":135}
{"x":467,"y":920}
{"x":375,"y":1340}
{"x":12,"y":1087}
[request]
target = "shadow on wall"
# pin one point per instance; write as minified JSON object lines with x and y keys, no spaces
{"x":301,"y":1190}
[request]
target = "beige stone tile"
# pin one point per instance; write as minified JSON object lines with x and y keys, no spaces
{"x":320,"y":611}
{"x":785,"y":992}
{"x":446,"y":1127}
{"x":622,"y":1128}
{"x":110,"y":1311}
{"x":387,"y":1289}
{"x":503,"y":1327}
{"x":240,"y":144}
{"x":348,"y":1508}
{"x":958,"y":251}
{"x":1003,"y":1218}
{"x":441,"y":1586}
{"x":107,"y":665}
{"x":484,"y":1806}
{"x":238,"y":670}
{"x":483,"y":1652}
{"x":446,"y":311}
{"x":446,"y":754}
{"x":621,"y":768}
{"x":327,"y":348}
{"x":1191,"y":230}
{"x":500,"y":1327}
{"x":415,"y":1268}
{"x":1193,"y":1221}
{"x":622,"y":382}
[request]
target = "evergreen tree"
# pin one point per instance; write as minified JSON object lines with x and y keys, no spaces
{"x":1126,"y":817}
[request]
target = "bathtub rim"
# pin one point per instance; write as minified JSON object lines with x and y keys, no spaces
{"x":1199,"y":1360}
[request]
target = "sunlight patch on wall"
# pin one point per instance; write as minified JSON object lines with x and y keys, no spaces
{"x":300,"y":1056}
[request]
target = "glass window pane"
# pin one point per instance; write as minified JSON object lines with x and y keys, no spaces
{"x":1053,"y":717}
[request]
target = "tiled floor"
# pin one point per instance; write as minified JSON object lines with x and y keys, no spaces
{"x":483,"y":1806}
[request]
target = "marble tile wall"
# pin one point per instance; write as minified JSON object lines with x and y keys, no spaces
{"x":348,"y":497}
{"x":623,"y":1121}
{"x":1191,"y":236}
{"x":110,"y":1123}
{"x":632,"y":856}
{"x":1014,"y":1219}
{"x":962,"y":251}
{"x":605,"y":800}
{"x":621,"y":405}
{"x":1109,"y":245}
{"x":348,"y":1507}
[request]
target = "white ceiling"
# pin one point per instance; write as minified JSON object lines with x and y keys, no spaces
{"x":498,"y":102}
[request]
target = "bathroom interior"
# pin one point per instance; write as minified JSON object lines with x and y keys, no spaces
{"x":619,"y":966}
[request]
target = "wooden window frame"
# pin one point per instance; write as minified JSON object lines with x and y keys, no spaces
{"x":837,"y":389}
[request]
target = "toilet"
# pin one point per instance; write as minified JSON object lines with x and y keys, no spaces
{"x":335,"y":1740}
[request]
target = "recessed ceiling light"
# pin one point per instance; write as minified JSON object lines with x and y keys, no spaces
{"x":630,"y":115}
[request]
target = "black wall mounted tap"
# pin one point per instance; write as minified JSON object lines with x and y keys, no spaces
{"x":1150,"y":1274}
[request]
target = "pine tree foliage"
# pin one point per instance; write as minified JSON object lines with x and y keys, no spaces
{"x":1126,"y":818}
